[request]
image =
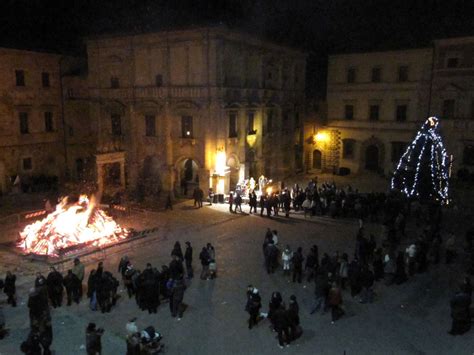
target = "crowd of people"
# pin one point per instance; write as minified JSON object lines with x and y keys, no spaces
{"x":398,"y":257}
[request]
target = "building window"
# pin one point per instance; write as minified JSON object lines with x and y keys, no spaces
{"x":232,"y":124}
{"x":452,"y":62}
{"x":448,"y":109}
{"x":403,"y":73}
{"x":251,"y":123}
{"x":27,"y":164}
{"x":351,"y":75}
{"x":398,"y":148}
{"x":114,"y":82}
{"x":20,"y":77}
{"x":401,"y":113}
{"x":376,"y":75}
{"x":24,"y":127}
{"x":187,"y":126}
{"x":159,"y":80}
{"x":348,"y":148}
{"x":45,"y":80}
{"x":349,"y":112}
{"x":71,"y":131}
{"x":374,"y":112}
{"x":116,"y":125}
{"x":150,"y":126}
{"x":48,"y":122}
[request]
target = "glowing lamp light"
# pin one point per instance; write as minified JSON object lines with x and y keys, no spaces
{"x":221,"y":167}
{"x":188,"y":133}
{"x":321,"y":137}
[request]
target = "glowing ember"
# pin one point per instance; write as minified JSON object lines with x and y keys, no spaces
{"x":70,"y":225}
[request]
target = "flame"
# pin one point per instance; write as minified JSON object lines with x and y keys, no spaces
{"x":70,"y":225}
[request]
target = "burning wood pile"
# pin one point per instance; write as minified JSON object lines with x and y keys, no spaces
{"x":71,"y":225}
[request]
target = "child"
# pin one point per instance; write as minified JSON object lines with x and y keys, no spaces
{"x":212,"y":269}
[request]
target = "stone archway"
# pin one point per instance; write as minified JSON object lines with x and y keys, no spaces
{"x":372,"y":158}
{"x":187,"y":173}
{"x":317,"y":159}
{"x":372,"y":155}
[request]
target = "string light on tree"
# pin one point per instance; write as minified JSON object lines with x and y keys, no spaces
{"x":423,"y":170}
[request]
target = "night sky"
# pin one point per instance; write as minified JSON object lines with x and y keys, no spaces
{"x":319,"y":27}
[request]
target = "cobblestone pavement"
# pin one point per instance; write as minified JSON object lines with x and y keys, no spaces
{"x":409,"y":319}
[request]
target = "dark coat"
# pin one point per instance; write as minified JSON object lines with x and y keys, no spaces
{"x":93,"y":342}
{"x":281,"y":319}
{"x":9,"y":286}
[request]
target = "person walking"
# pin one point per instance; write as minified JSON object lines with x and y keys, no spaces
{"x":335,"y":301}
{"x":188,"y":258}
{"x":93,"y":339}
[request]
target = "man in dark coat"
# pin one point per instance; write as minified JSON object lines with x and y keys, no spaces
{"x":10,"y":288}
{"x":254,"y":303}
{"x":205,"y":259}
{"x":176,"y":299}
{"x":282,"y":326}
{"x":460,"y":313}
{"x":188,"y":257}
{"x":72,"y":284}
{"x":151,"y":290}
{"x":297,"y":260}
{"x":93,"y":339}
{"x":55,"y":286}
{"x":78,"y":270}
{"x":40,"y":317}
{"x":176,"y":268}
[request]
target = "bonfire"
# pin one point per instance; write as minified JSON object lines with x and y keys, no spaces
{"x":71,"y":225}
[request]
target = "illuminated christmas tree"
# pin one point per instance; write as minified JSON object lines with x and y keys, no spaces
{"x":423,"y":170}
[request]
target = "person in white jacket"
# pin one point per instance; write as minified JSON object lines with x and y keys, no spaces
{"x":286,"y":258}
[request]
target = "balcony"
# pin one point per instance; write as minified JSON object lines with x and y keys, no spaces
{"x":110,"y":143}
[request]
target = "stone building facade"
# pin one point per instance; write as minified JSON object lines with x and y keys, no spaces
{"x":168,"y":111}
{"x":377,"y":102}
{"x":31,"y":135}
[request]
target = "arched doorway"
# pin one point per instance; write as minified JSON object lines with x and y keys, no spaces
{"x":317,"y":159}
{"x":188,"y":171}
{"x":372,"y":158}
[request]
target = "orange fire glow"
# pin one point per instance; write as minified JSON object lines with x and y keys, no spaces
{"x":81,"y":223}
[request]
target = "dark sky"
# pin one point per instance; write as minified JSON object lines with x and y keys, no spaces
{"x":316,"y":26}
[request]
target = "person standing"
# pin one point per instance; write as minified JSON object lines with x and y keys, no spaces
{"x":282,"y":326}
{"x":294,"y":318}
{"x":177,"y":251}
{"x":254,"y":303}
{"x":297,"y":260}
{"x":286,"y":258}
{"x":238,"y":203}
{"x":204,"y":257}
{"x":231,"y":201}
{"x":78,"y":270}
{"x":72,"y":284}
{"x":176,"y":299}
{"x":55,"y":287}
{"x":460,"y":312}
{"x":10,"y":288}
{"x":253,"y":202}
{"x":176,"y":268}
{"x":93,"y":339}
{"x":188,"y":257}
